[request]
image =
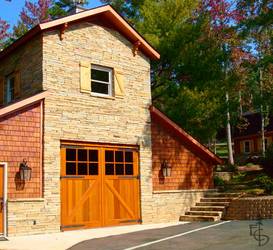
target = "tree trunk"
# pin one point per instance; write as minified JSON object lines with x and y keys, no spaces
{"x":262,"y":114}
{"x":262,"y":131}
{"x":229,"y":140}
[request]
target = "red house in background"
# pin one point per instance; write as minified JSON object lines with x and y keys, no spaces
{"x":249,"y":141}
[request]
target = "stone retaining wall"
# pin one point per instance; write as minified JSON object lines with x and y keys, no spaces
{"x":250,"y":208}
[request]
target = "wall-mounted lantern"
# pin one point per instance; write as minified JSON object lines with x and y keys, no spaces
{"x":166,"y":169}
{"x":25,"y":171}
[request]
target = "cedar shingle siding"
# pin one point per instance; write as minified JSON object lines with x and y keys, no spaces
{"x":188,"y":170}
{"x":20,"y":139}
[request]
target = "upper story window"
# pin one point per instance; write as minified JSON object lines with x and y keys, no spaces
{"x":101,"y":80}
{"x":9,"y":89}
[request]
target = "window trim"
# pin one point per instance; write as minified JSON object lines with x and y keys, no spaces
{"x":110,"y":83}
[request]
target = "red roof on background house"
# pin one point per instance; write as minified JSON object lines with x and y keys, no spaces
{"x":187,"y":139}
{"x":107,"y":17}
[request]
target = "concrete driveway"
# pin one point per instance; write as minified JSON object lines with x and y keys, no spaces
{"x":193,"y":236}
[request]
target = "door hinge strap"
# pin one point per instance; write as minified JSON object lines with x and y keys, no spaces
{"x":129,"y":221}
{"x":129,"y":177}
{"x":71,"y":226}
{"x":72,"y":177}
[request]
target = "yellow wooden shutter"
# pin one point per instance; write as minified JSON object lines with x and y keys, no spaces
{"x":2,"y":80}
{"x":17,"y":84}
{"x":85,"y":77}
{"x":119,"y":83}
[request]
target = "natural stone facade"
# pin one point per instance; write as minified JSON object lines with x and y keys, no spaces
{"x":72,"y":115}
{"x":27,"y":60}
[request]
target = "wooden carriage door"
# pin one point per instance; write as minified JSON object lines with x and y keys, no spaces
{"x":121,"y":187}
{"x":80,"y":188}
{"x":99,"y":186}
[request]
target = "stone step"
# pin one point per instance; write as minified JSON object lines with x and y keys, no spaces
{"x":212,"y":203}
{"x":206,"y":213}
{"x":198,"y":218}
{"x":211,"y":195}
{"x":208,"y":208}
{"x":216,"y":199}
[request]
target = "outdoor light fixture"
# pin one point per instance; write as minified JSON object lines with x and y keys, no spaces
{"x":25,"y":171}
{"x":166,"y":169}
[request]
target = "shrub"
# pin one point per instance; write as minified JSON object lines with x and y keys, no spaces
{"x":218,"y":181}
{"x":265,"y":182}
{"x":267,"y":162}
{"x":239,"y":177}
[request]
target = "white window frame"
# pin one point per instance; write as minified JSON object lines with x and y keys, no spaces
{"x":109,"y":83}
{"x":247,"y":152}
{"x":7,"y":97}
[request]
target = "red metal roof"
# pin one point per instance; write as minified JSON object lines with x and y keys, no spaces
{"x":108,"y":17}
{"x":194,"y":145}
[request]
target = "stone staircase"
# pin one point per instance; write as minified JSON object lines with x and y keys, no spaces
{"x":210,"y":208}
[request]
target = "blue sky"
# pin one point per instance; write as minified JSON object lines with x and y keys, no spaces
{"x":9,"y":11}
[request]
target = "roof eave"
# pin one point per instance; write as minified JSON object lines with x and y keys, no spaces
{"x":123,"y":24}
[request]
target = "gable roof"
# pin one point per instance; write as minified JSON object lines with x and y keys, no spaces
{"x":108,"y":17}
{"x":186,"y":138}
{"x":254,"y":126}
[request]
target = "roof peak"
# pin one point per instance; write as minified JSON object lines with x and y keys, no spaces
{"x":107,"y":13}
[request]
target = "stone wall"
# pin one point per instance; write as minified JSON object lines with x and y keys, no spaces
{"x":76,"y":116}
{"x":168,"y":206}
{"x":189,"y":171}
{"x":27,"y":60}
{"x":250,"y":208}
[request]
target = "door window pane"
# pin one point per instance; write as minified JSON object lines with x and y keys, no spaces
{"x":109,"y":156}
{"x":129,"y":170}
{"x":71,"y":168}
{"x":82,"y":168}
{"x":129,"y":156}
{"x":93,"y":169}
{"x":109,"y":169}
{"x":119,"y":156}
{"x":70,"y":154}
{"x":119,"y":169}
{"x":93,"y":155}
{"x":82,"y":155}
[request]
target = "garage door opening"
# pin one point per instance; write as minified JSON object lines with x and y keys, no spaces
{"x":99,"y":186}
